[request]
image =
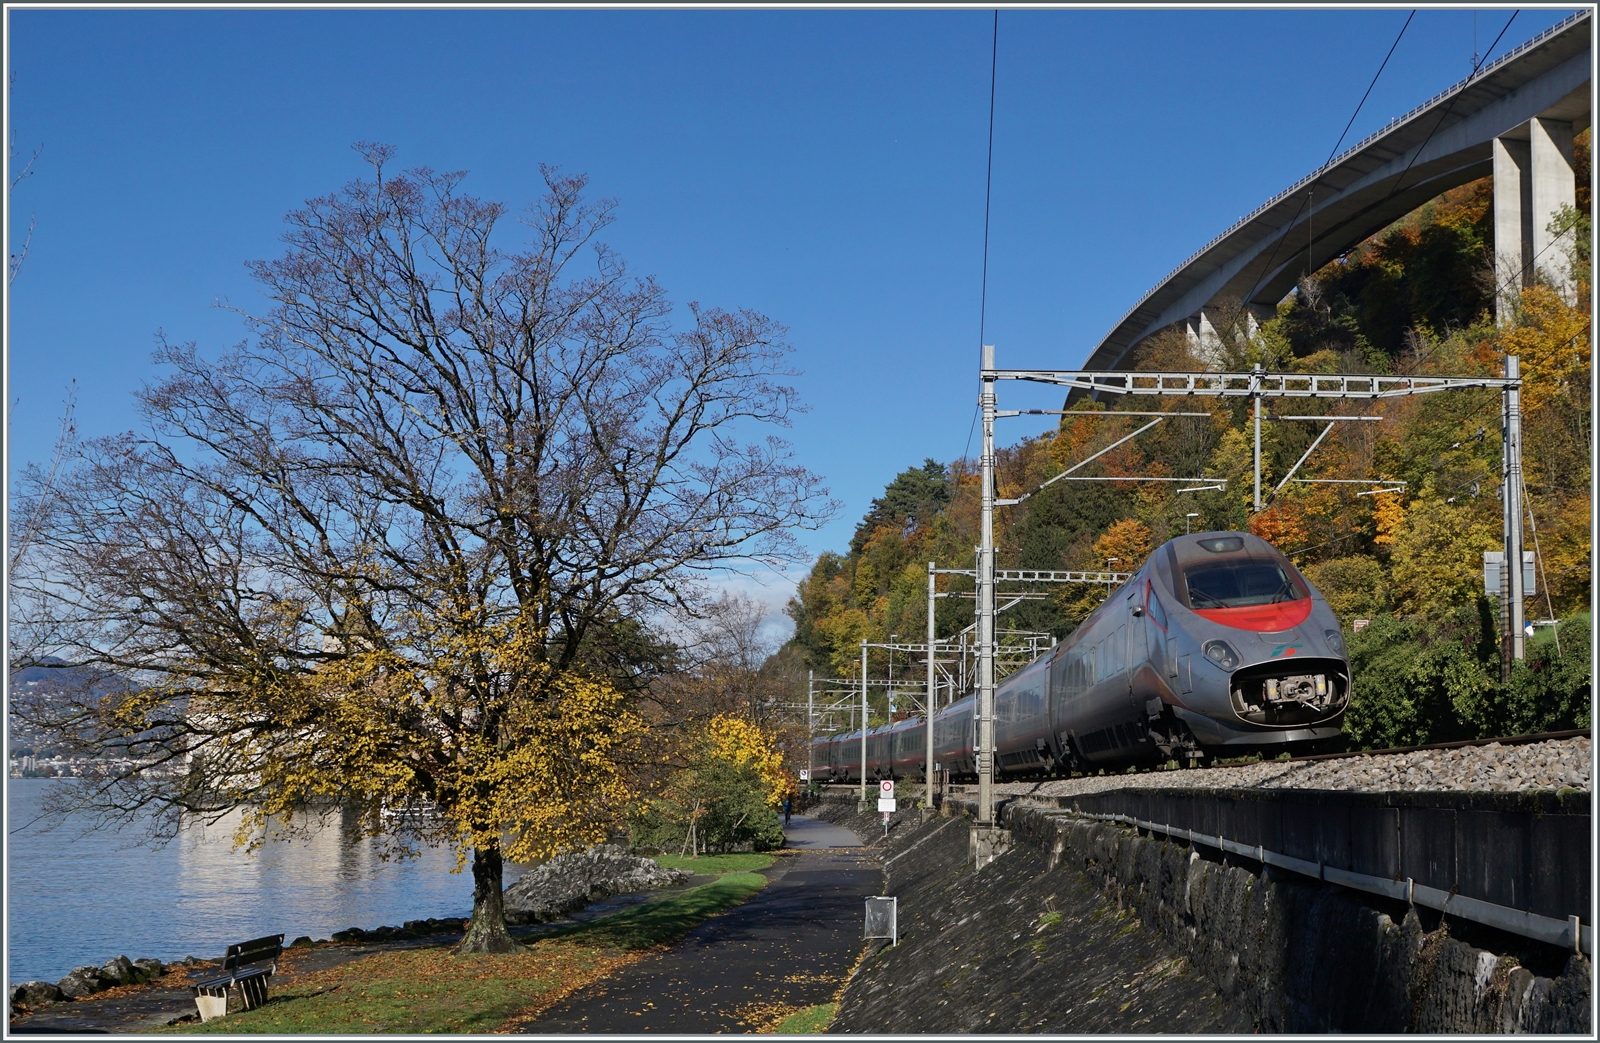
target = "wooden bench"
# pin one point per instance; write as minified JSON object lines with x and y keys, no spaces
{"x":247,"y":966}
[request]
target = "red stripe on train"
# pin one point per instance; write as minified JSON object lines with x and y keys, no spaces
{"x":1268,"y":618}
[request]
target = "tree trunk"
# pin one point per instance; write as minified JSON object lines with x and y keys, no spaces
{"x":487,"y":931}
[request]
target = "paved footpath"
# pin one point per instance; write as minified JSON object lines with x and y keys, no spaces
{"x":789,"y":946}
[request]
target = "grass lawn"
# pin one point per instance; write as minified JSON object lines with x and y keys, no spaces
{"x":429,"y":990}
{"x":747,"y":862}
{"x":809,"y":1022}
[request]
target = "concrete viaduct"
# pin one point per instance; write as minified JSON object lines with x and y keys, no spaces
{"x":1514,"y":119}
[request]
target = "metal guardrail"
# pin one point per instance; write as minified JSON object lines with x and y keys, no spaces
{"x":1568,"y":933}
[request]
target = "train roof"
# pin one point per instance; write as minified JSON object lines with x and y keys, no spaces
{"x":1207,"y":546}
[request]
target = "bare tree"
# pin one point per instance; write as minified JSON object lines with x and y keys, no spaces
{"x":716,"y":655}
{"x":14,"y":264}
{"x":370,"y":553}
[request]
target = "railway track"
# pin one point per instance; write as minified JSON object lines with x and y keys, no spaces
{"x":1503,"y":740}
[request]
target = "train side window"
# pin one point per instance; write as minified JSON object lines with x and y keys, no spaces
{"x":1153,"y":606}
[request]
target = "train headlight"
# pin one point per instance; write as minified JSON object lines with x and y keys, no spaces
{"x":1222,"y":654}
{"x":1335,"y":640}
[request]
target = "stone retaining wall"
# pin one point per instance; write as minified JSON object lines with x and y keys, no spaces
{"x":1285,"y":954}
{"x":1308,"y":957}
{"x":1016,"y":947}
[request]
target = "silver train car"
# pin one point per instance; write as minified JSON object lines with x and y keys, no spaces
{"x":1216,"y":646}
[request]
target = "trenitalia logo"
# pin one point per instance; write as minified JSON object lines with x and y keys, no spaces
{"x":1284,"y":650}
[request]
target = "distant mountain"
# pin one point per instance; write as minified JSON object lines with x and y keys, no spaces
{"x":57,"y":675}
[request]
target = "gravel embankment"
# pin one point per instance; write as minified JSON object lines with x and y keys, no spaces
{"x":1561,"y":764}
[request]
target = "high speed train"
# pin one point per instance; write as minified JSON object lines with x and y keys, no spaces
{"x":1216,"y":645}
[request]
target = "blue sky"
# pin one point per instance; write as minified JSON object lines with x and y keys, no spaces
{"x":823,"y":167}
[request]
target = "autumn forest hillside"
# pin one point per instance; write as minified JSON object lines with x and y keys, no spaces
{"x":1417,"y":298}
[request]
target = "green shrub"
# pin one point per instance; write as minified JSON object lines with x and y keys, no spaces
{"x":727,"y":803}
{"x":1354,"y":587}
{"x":1551,"y":690}
{"x":1415,"y":683}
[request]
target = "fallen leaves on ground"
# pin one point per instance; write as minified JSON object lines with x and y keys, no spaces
{"x":765,"y":1016}
{"x":429,"y":990}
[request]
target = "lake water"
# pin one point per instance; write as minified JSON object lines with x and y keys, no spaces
{"x":75,"y":898}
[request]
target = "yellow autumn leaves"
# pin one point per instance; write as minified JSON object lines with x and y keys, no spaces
{"x":743,"y":743}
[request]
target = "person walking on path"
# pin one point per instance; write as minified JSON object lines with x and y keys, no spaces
{"x":788,"y":809}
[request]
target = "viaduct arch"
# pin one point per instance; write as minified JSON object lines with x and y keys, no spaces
{"x":1514,"y":119}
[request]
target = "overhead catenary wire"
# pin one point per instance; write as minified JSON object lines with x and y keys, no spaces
{"x":988,"y":186}
{"x":988,"y":181}
{"x":1414,"y":155}
{"x":1334,"y":152}
{"x":1447,"y":109}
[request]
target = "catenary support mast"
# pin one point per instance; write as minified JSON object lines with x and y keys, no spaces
{"x":1513,"y":505}
{"x":932,"y":702}
{"x":811,"y":723}
{"x":985,"y":752}
{"x":863,"y":797}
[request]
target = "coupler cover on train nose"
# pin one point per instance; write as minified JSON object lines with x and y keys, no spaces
{"x":1266,"y":695}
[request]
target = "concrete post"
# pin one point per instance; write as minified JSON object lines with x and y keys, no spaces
{"x":1554,"y":187}
{"x":1513,"y":222}
{"x":985,"y":708}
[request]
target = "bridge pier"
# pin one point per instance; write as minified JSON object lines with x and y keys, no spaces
{"x":1533,"y":179}
{"x":1206,"y":344}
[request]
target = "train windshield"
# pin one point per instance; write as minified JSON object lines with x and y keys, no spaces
{"x":1235,"y":584}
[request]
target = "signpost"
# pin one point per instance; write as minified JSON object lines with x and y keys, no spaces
{"x":886,"y":802}
{"x":883,"y":918}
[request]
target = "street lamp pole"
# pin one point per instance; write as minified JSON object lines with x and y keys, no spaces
{"x":985,"y":751}
{"x":1186,"y":517}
